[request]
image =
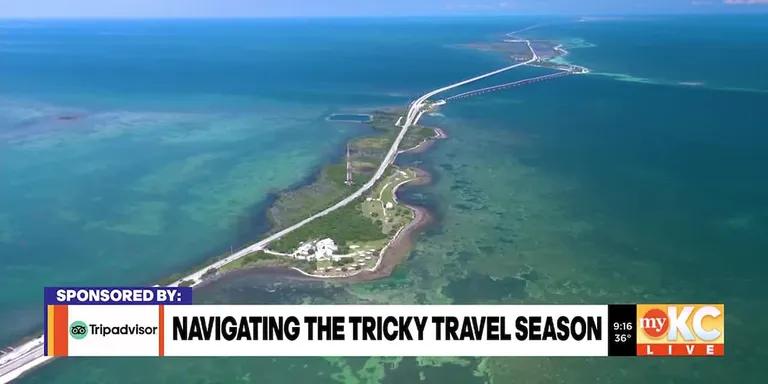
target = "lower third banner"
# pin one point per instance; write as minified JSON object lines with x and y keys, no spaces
{"x":384,"y":330}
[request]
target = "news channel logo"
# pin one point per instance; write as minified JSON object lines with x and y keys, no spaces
{"x":78,"y":330}
{"x":681,"y":329}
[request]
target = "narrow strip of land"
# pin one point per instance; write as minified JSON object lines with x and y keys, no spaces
{"x":415,"y":112}
{"x":29,"y":355}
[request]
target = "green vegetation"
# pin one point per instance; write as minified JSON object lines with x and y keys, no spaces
{"x":209,"y":273}
{"x":263,"y":259}
{"x":361,"y":228}
{"x":365,"y":155}
{"x":416,"y":135}
{"x":393,"y":218}
{"x":374,"y":142}
{"x":170,"y":279}
{"x":366,"y":225}
{"x":344,"y":225}
{"x":371,"y":220}
{"x":293,"y":206}
{"x":385,"y":120}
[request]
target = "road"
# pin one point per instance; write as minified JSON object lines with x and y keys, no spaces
{"x":415,"y":111}
{"x":504,"y":86}
{"x":29,"y":355}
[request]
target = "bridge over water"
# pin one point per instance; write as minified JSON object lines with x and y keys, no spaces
{"x":504,"y":86}
{"x":29,"y":354}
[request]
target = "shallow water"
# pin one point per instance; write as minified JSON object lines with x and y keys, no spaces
{"x":133,"y":150}
{"x":585,"y":189}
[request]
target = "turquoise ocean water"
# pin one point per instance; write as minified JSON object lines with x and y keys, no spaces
{"x":133,"y":149}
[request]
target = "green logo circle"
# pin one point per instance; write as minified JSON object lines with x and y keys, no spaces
{"x":78,"y":330}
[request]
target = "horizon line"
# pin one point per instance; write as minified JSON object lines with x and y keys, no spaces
{"x":761,"y":11}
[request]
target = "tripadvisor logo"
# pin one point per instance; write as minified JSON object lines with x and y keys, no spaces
{"x":78,"y":330}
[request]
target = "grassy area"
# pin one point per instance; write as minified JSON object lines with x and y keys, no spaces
{"x":263,"y":259}
{"x":416,"y":134}
{"x":385,"y":121}
{"x":374,"y":142}
{"x":367,"y":220}
{"x":366,"y":154}
{"x":389,"y":219}
{"x":344,"y":225}
{"x":293,"y":206}
{"x":364,"y":224}
{"x":360,"y":223}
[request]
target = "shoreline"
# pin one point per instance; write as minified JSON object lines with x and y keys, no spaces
{"x":400,"y":246}
{"x":390,"y":256}
{"x":427,"y":143}
{"x":13,"y":365}
{"x":420,"y":217}
{"x":397,"y":249}
{"x":319,"y":175}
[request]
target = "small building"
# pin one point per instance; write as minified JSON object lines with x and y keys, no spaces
{"x":389,"y":205}
{"x":325,"y":248}
{"x":303,"y":251}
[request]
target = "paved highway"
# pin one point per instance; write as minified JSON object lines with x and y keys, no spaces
{"x":29,"y":355}
{"x":513,"y":84}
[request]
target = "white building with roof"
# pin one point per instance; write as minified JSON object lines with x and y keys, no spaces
{"x":304,"y":250}
{"x":325,"y":248}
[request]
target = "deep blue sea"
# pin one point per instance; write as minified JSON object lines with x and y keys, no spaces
{"x":133,"y":149}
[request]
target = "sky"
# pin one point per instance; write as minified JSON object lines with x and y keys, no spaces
{"x":326,"y":8}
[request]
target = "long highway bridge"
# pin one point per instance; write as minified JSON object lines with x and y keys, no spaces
{"x":501,"y":87}
{"x":29,"y":355}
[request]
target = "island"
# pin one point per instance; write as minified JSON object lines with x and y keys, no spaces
{"x":348,"y":222}
{"x":363,"y":235}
